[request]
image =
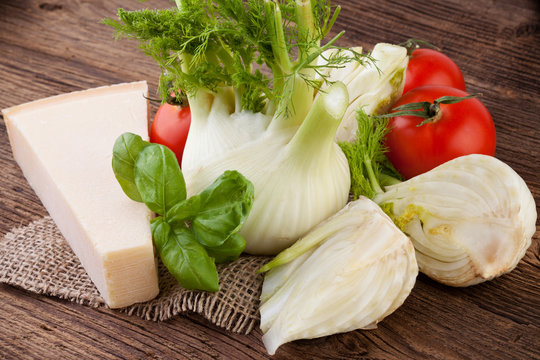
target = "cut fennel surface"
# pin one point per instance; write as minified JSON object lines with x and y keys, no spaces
{"x":470,"y":219}
{"x":349,"y":272}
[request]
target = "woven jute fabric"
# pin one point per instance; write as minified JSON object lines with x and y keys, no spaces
{"x":37,"y":258}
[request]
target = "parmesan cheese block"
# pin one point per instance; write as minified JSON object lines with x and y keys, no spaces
{"x":63,"y":145}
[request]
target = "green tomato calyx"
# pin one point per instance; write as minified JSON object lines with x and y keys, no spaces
{"x":413,"y":44}
{"x":430,"y":112}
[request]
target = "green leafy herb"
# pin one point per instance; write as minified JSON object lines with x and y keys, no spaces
{"x":205,"y":45}
{"x":190,"y":234}
{"x":368,"y":165}
{"x":219,"y":211}
{"x":159,"y":179}
{"x":228,"y":250}
{"x":184,"y":257}
{"x":125,"y":151}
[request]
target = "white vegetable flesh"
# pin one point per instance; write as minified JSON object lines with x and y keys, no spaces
{"x":470,"y":219}
{"x":218,"y":128}
{"x":300,"y":174}
{"x":372,"y":87}
{"x":350,"y":272}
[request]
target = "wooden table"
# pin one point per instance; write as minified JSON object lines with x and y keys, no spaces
{"x":59,"y":46}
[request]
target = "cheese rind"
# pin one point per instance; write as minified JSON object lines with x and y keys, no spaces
{"x":63,"y":145}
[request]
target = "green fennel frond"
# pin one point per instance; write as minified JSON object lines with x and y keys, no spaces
{"x":368,"y":164}
{"x":259,"y":47}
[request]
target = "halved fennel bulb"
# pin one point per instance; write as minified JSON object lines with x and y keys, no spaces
{"x":349,"y":272}
{"x":470,"y":219}
{"x":300,"y":174}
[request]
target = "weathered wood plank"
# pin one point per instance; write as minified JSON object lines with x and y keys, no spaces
{"x":51,"y":47}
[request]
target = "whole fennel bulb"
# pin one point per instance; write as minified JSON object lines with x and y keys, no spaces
{"x":300,"y":175}
{"x":261,"y":103}
{"x":470,"y":219}
{"x":223,"y":138}
{"x":349,"y":272}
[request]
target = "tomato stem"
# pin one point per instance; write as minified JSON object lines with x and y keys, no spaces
{"x":430,"y":112}
{"x":434,"y":112}
{"x":413,"y":44}
{"x":178,"y":99}
{"x":154,"y":100}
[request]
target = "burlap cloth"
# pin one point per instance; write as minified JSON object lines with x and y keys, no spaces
{"x":38,"y":259}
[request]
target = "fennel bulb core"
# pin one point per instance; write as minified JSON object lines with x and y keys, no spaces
{"x":300,"y":174}
{"x":470,"y":219}
{"x":350,"y":272}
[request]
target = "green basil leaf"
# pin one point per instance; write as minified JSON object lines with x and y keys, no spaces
{"x":224,"y":206}
{"x":184,"y":211}
{"x":126,"y":149}
{"x":230,"y":250}
{"x":160,"y":232}
{"x":159,"y":179}
{"x":184,"y":257}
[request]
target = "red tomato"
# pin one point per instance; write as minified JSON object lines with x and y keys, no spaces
{"x":170,"y":128}
{"x":463,"y":128}
{"x":432,"y":67}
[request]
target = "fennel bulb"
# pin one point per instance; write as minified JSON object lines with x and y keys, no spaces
{"x":349,"y":272}
{"x":277,"y":129}
{"x":301,"y":176}
{"x":373,"y":87}
{"x":470,"y":219}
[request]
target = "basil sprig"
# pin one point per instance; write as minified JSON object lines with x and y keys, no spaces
{"x":125,"y":151}
{"x":190,"y":234}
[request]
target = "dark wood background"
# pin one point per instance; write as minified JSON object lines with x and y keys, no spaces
{"x":47,"y":48}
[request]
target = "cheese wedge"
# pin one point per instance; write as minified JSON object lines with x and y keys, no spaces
{"x":63,"y":145}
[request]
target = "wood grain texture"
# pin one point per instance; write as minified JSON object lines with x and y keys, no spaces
{"x":57,"y":46}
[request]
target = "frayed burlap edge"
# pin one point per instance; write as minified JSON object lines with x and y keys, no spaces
{"x":38,"y":259}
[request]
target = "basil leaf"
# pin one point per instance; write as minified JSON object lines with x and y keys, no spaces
{"x":160,"y":232}
{"x":184,"y":211}
{"x":224,"y":206}
{"x":159,"y":179}
{"x":184,"y":257}
{"x":230,"y":250}
{"x":125,"y":152}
